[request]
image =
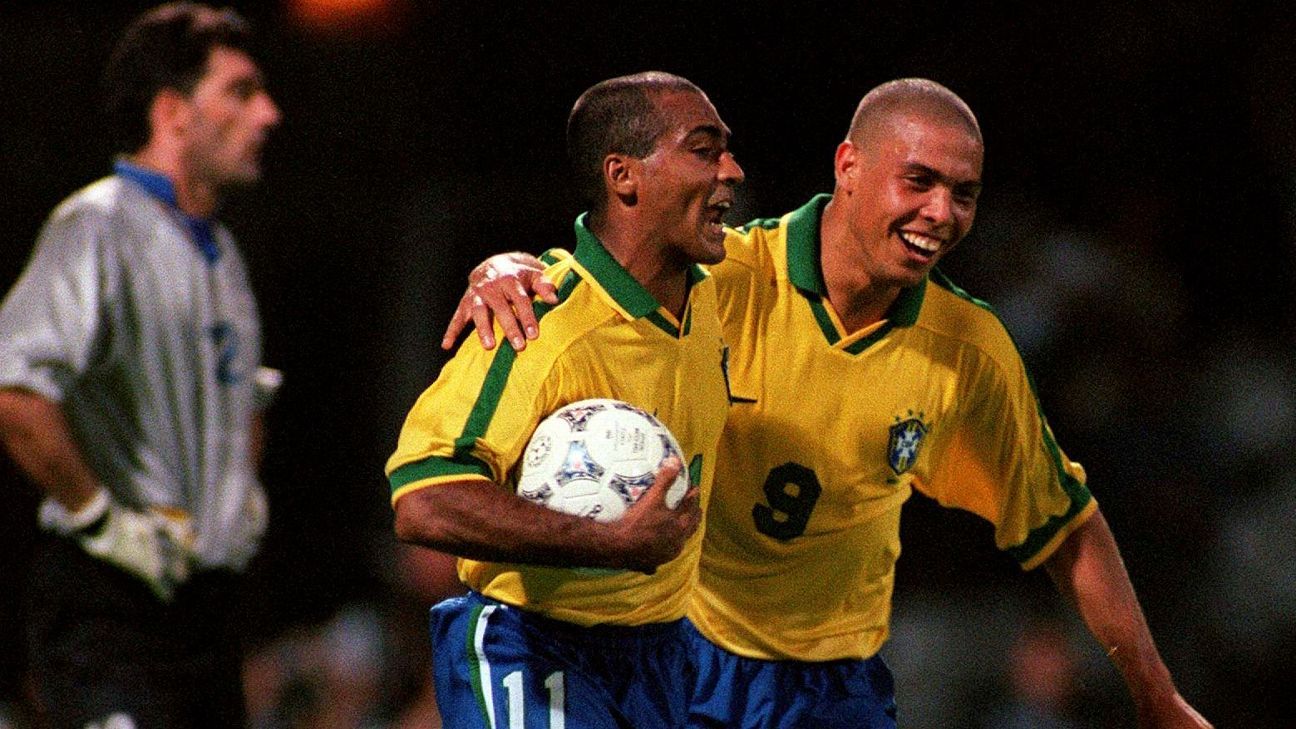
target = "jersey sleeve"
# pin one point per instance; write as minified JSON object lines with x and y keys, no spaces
{"x":1003,"y":463}
{"x":475,"y":420}
{"x":50,"y":322}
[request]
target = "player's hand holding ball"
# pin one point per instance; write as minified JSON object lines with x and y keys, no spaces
{"x":655,"y":531}
{"x":612,"y":462}
{"x":153,"y":546}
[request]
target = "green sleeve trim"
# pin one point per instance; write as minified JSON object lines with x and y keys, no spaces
{"x":1078,"y":493}
{"x":436,"y":467}
{"x":1042,"y":535}
{"x":483,"y":411}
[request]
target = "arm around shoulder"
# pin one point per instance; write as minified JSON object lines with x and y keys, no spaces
{"x":500,"y":290}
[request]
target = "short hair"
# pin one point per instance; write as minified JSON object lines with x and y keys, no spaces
{"x":165,"y":48}
{"x":915,"y":95}
{"x":616,"y":116}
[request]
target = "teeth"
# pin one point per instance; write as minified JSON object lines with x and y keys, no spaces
{"x":920,"y":241}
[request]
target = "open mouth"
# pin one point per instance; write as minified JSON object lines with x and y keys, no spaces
{"x":921,"y":245}
{"x":714,"y":216}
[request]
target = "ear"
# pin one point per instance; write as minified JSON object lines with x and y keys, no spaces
{"x":621,"y":175}
{"x":846,"y":165}
{"x":169,"y":114}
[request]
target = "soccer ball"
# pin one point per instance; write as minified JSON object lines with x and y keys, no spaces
{"x":594,"y":458}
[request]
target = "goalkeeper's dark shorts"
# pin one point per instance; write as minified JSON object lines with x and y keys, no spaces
{"x":746,"y":693}
{"x":103,"y":645}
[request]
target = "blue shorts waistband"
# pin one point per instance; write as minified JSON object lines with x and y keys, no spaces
{"x":593,"y":633}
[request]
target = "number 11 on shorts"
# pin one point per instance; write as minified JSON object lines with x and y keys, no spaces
{"x":516,"y":704}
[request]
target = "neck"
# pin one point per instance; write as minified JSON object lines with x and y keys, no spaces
{"x":193,"y":196}
{"x":857,"y":297}
{"x":661,"y":275}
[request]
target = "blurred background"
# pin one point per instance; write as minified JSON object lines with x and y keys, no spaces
{"x":1137,"y":233}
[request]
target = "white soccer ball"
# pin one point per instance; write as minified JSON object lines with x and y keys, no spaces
{"x":594,"y":458}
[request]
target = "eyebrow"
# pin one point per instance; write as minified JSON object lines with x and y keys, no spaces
{"x":255,"y":77}
{"x":973,"y":185}
{"x":710,"y":130}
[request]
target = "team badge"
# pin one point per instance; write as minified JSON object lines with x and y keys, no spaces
{"x":902,"y":446}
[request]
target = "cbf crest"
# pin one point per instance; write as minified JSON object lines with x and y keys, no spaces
{"x":906,"y":437}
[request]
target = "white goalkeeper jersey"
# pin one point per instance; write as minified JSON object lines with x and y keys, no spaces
{"x":140,"y":321}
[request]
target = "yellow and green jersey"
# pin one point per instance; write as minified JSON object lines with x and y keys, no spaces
{"x":608,"y":337}
{"x":828,"y":432}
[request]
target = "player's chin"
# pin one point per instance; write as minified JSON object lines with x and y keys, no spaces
{"x":712,"y":248}
{"x":912,"y":275}
{"x":244,"y":176}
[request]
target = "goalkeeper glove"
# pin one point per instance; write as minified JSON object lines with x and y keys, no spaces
{"x":153,"y":545}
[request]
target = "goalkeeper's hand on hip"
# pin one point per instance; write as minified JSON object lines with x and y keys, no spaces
{"x":154,"y":545}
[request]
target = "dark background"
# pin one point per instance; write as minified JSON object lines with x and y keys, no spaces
{"x":1136,"y":234}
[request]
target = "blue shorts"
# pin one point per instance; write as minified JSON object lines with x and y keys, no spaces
{"x":747,"y":693}
{"x":500,"y":667}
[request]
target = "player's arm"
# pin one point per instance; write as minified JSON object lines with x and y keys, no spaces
{"x":1087,"y":569}
{"x":151,"y":546}
{"x":37,"y":436}
{"x":479,"y":519}
{"x":501,"y":288}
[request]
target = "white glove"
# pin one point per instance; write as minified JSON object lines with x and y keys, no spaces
{"x":153,"y":546}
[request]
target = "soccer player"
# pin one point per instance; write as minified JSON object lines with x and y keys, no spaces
{"x":858,"y":373}
{"x":538,"y":641}
{"x":129,"y":354}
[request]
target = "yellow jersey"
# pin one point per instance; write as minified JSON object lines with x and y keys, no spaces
{"x":608,"y":337}
{"x":830,"y":430}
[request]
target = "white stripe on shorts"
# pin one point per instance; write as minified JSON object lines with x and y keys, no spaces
{"x":483,"y":665}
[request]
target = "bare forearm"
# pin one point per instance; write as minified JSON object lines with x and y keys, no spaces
{"x":37,"y":436}
{"x":1088,"y":569}
{"x":479,"y":520}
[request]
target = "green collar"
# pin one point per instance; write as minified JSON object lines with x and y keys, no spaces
{"x":628,"y":293}
{"x":806,"y":273}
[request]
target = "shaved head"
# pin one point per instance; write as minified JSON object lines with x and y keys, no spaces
{"x":909,"y":96}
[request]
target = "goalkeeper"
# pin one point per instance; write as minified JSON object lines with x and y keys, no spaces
{"x":129,"y":363}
